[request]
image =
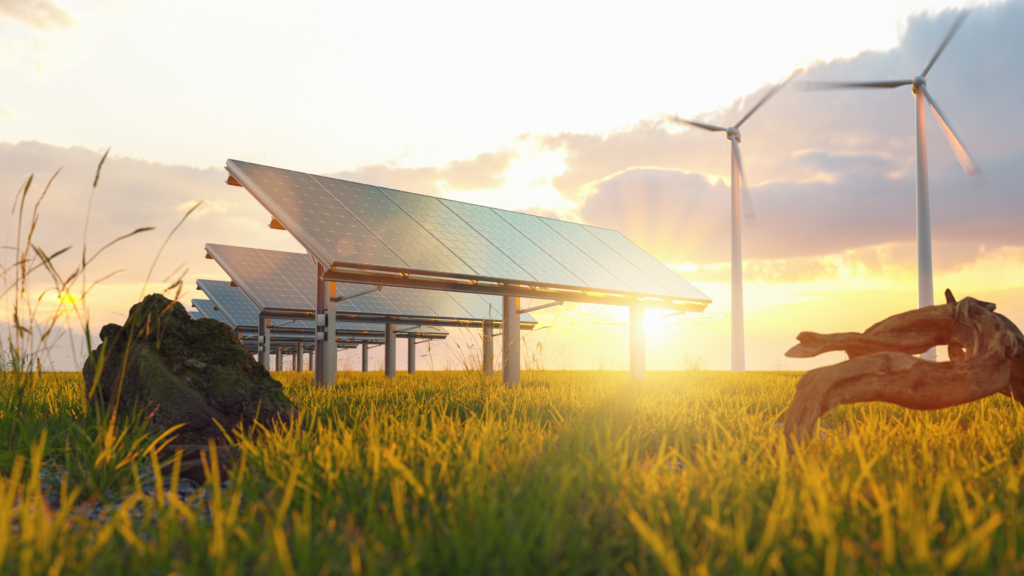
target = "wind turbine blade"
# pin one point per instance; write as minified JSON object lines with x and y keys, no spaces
{"x":845,"y":85}
{"x":956,"y":26}
{"x":970,"y":168}
{"x":763,"y":100}
{"x":746,"y":204}
{"x":709,"y":127}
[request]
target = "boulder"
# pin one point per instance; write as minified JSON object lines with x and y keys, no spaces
{"x":184,"y":371}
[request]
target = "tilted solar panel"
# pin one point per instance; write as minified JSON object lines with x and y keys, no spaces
{"x":207,"y":309}
{"x":530,"y":257}
{"x":563,"y":251}
{"x":326,"y":223}
{"x":483,"y":257}
{"x":236,"y":306}
{"x":268,"y":288}
{"x":367,"y":227}
{"x":196,"y":314}
{"x":603,"y":254}
{"x":417,"y":247}
{"x":648,"y":264}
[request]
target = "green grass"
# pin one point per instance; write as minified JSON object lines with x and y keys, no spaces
{"x":570,"y":473}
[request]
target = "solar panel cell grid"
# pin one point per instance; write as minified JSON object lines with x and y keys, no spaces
{"x":563,"y":251}
{"x":417,"y":247}
{"x":647,"y":263}
{"x":319,"y":215}
{"x":441,"y":303}
{"x":609,"y":259}
{"x":236,"y":306}
{"x":407,"y":303}
{"x":537,"y":263}
{"x":465,"y":242}
{"x":251,"y":268}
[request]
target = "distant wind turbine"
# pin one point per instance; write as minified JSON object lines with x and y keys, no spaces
{"x":739,"y":187}
{"x":924,"y":232}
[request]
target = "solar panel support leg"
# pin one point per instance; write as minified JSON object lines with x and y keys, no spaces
{"x":510,"y":341}
{"x":297,"y":358}
{"x":412,"y":355}
{"x":488,"y":348}
{"x":277,"y":359}
{"x":263,"y":343}
{"x":366,"y":357}
{"x":637,"y":345}
{"x":389,"y":350}
{"x":325,"y":349}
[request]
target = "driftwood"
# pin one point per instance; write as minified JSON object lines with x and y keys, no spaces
{"x":986,"y":354}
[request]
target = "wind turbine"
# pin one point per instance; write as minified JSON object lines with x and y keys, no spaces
{"x":738,"y":188}
{"x":925,"y":296}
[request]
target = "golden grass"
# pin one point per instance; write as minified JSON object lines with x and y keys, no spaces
{"x":572,"y":472}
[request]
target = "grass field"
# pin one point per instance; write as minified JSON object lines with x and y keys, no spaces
{"x":571,"y":473}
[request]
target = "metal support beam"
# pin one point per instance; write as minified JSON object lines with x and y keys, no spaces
{"x":412,"y":355}
{"x":263,"y":343}
{"x":278,"y":356}
{"x":479,"y":287}
{"x":541,"y":307}
{"x":510,"y":341}
{"x":326,"y":347}
{"x":389,"y":350}
{"x":366,"y":357}
{"x":342,"y":298}
{"x":637,"y":345}
{"x":488,"y":348}
{"x":297,"y":357}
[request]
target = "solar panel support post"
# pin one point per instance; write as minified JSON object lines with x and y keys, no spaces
{"x":488,"y":348}
{"x":297,"y":358}
{"x":389,"y":350}
{"x":366,"y":357}
{"x":510,"y":341}
{"x":412,"y":355}
{"x":325,"y":349}
{"x":278,"y":357}
{"x":637,"y":345}
{"x":263,"y":343}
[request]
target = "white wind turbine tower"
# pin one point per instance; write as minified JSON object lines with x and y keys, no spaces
{"x":925,"y":291}
{"x":738,"y":187}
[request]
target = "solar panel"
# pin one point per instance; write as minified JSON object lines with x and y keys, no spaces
{"x":648,"y":264}
{"x":603,"y":254}
{"x":268,"y":288}
{"x":537,"y":263}
{"x":353,"y":225}
{"x":407,"y":303}
{"x":326,"y":223}
{"x":563,"y":251}
{"x":236,"y":306}
{"x":372,"y":303}
{"x":441,"y":303}
{"x":458,"y":236}
{"x":271,"y":277}
{"x":207,"y":309}
{"x":417,"y":247}
{"x":196,"y":314}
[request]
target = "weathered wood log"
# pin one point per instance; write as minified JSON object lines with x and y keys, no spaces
{"x":986,"y":357}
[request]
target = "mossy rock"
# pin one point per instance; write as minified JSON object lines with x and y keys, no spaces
{"x":184,"y":371}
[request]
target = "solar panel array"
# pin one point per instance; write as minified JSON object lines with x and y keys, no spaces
{"x":240,"y":312}
{"x":348,"y":224}
{"x":274,"y":281}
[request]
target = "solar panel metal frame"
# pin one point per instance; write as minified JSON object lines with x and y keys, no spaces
{"x":348,"y":310}
{"x":405,"y":276}
{"x":214,"y":289}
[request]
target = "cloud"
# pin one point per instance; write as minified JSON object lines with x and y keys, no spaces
{"x":828,"y":171}
{"x":42,"y":14}
{"x":484,"y":171}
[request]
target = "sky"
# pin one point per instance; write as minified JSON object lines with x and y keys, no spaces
{"x":548,"y":108}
